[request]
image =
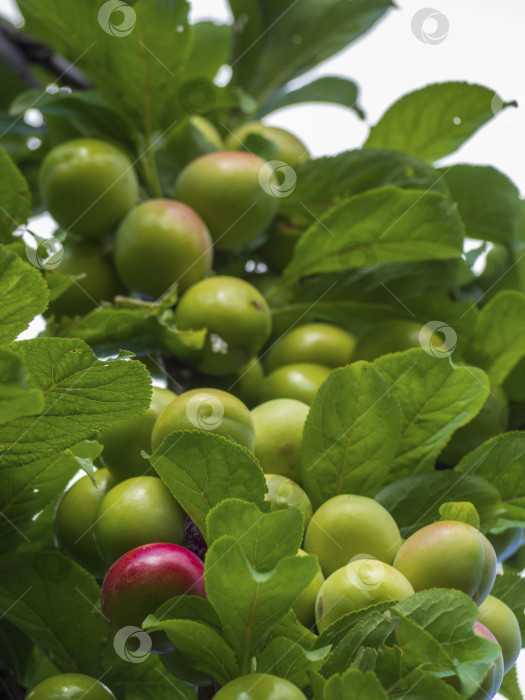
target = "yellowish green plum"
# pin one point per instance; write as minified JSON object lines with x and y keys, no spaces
{"x":501,"y":621}
{"x":259,"y":686}
{"x":391,"y":336}
{"x":492,"y":681}
{"x":291,"y":150}
{"x":279,"y":428}
{"x":317,"y":343}
{"x":206,"y":409}
{"x":304,"y":606}
{"x":300,"y":381}
{"x":285,"y":494}
{"x":357,"y":585}
{"x":449,"y":554}
{"x":75,"y":516}
{"x":124,"y":442}
{"x":70,"y":686}
{"x":348,"y":526}
{"x":135,"y":512}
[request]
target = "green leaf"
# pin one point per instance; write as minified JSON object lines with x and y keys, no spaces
{"x":82,"y":396}
{"x":434,"y":121}
{"x":510,"y":589}
{"x":435,"y":397}
{"x":501,"y":461}
{"x":250,"y":602}
{"x":203,"y":648}
{"x":278,"y":40}
{"x":26,"y":490}
{"x":324,"y":182}
{"x":463,"y":511}
{"x":326,"y":89}
{"x":354,"y":683}
{"x":350,"y":436}
{"x":510,"y":687}
{"x":265,"y":538}
{"x":184,"y":607}
{"x":487,"y":200}
{"x":290,"y":628}
{"x":15,"y":197}
{"x":54,"y":600}
{"x":498,"y":338}
{"x":15,"y":649}
{"x":210,"y":50}
{"x":201,"y":470}
{"x":381,"y":226}
{"x":339,"y":629}
{"x":287,"y":659}
{"x":132,"y":60}
{"x":415,"y":501}
{"x":16,"y":399}
{"x":23,"y":292}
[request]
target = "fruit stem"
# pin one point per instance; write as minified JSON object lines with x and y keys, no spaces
{"x":152,"y":175}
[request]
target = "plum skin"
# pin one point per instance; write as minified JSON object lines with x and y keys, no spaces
{"x":501,"y":621}
{"x":449,"y":554}
{"x":144,"y":578}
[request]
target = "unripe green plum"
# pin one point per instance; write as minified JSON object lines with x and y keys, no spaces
{"x":347,"y":526}
{"x":137,"y":511}
{"x":75,"y":517}
{"x":490,"y":421}
{"x":317,"y":343}
{"x":206,"y":409}
{"x":88,"y":186}
{"x":285,"y":494}
{"x":506,"y":543}
{"x":249,"y":382}
{"x":161,"y":242}
{"x":492,"y":681}
{"x":357,"y":585}
{"x":145,"y":578}
{"x":390,"y":336}
{"x":501,"y":621}
{"x":70,"y":686}
{"x":299,"y":381}
{"x":124,"y":442}
{"x":304,"y":606}
{"x":259,"y":686}
{"x":449,"y":554}
{"x":279,"y":428}
{"x":100,"y":281}
{"x":236,"y":316}
{"x":291,"y":150}
{"x":224,"y":189}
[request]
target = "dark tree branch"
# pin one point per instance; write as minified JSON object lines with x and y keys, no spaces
{"x":18,"y":51}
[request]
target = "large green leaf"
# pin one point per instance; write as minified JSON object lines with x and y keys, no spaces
{"x":327,"y":89}
{"x":83,"y":395}
{"x":435,"y":397}
{"x":16,"y":399}
{"x":210,"y":50}
{"x":354,"y":683}
{"x":15,"y":197}
{"x":287,"y":659}
{"x":23,"y":295}
{"x":351,"y":434}
{"x":127,"y":52}
{"x":54,"y":600}
{"x":488,"y":201}
{"x":201,"y":470}
{"x":277,"y":40}
{"x":435,"y":120}
{"x":381,"y":226}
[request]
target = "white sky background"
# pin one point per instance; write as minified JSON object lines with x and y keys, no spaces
{"x":484,"y":45}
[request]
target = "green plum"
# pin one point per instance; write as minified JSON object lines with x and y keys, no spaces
{"x":70,"y":686}
{"x":291,"y":150}
{"x":278,"y":434}
{"x":285,"y":494}
{"x":502,"y":622}
{"x":304,"y":606}
{"x":206,"y":409}
{"x":259,"y":686}
{"x":449,"y":554}
{"x":357,"y":585}
{"x":317,"y":343}
{"x":300,"y":381}
{"x":348,"y":526}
